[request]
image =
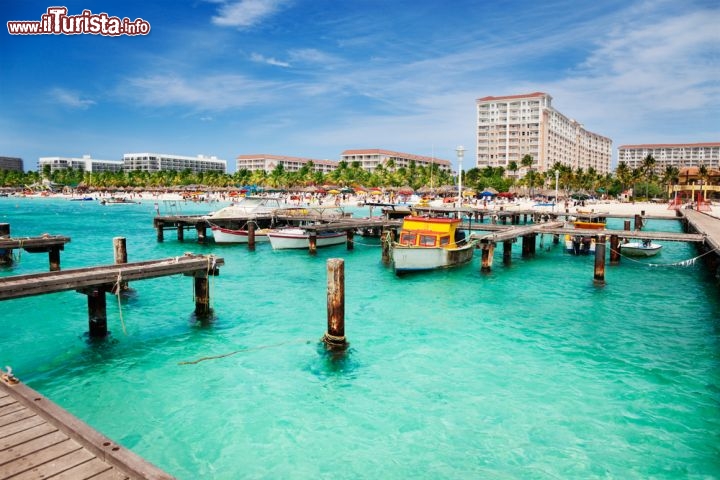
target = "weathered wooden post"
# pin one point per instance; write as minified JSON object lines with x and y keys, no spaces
{"x":614,"y":250}
{"x":386,"y":241}
{"x":251,"y":235}
{"x":180,"y":232}
{"x":638,"y":222}
{"x":312,"y":239}
{"x":525,"y":245}
{"x":533,"y":243}
{"x":350,"y":241}
{"x":54,"y":258}
{"x":507,"y":252}
{"x":599,"y":276}
{"x":159,"y":229}
{"x":556,"y":239}
{"x":202,"y":295}
{"x":201,"y":231}
{"x":5,"y":253}
{"x":335,"y":335}
{"x":488,"y":249}
{"x":626,"y":225}
{"x":97,"y":312}
{"x":120,"y":249}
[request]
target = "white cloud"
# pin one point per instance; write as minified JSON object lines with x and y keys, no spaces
{"x":204,"y":93}
{"x":246,"y":13}
{"x":256,"y":57}
{"x":70,"y":98}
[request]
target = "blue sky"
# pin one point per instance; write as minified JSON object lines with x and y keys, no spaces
{"x":311,"y":78}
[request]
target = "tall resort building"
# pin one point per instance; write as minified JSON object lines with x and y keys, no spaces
{"x":11,"y":163}
{"x":267,"y":162}
{"x":85,"y":164}
{"x":510,"y":127}
{"x":371,"y":158}
{"x":672,"y":155}
{"x":155,"y":162}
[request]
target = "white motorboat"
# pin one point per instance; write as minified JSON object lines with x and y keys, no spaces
{"x":298,"y":237}
{"x":248,"y":206}
{"x":228,"y":235}
{"x":644,"y":248}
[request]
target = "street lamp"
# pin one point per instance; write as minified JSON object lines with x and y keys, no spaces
{"x":460,"y":150}
{"x":557,"y":177}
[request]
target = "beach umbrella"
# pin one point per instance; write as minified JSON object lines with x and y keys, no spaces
{"x":406,"y":190}
{"x":333,"y":192}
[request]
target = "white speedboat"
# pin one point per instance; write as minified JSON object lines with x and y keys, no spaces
{"x":298,"y":237}
{"x":644,"y":248}
{"x":228,"y":235}
{"x":247,"y":207}
{"x":428,"y":243}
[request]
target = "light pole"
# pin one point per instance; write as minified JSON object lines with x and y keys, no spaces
{"x":557,"y":177}
{"x":460,"y":150}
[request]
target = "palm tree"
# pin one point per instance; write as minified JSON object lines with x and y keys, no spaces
{"x":704,"y":176}
{"x":648,"y":168}
{"x":513,"y":167}
{"x":670,"y":177}
{"x":527,"y":162}
{"x":623,"y":174}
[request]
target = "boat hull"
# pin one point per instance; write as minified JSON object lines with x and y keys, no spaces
{"x":637,"y":249}
{"x":297,"y":238}
{"x":415,"y":259}
{"x":226,"y":235}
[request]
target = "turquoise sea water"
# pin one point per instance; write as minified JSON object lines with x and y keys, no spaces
{"x":529,"y":371}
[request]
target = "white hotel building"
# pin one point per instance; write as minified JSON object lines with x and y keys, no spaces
{"x":268,"y":163}
{"x":510,"y":127}
{"x":155,"y":162}
{"x":672,"y":155}
{"x":85,"y":164}
{"x":370,"y":159}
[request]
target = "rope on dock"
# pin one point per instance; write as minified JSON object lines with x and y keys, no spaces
{"x":684,"y":263}
{"x":118,"y":288}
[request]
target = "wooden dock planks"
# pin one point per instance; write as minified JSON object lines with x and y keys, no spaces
{"x":704,"y":224}
{"x":50,"y":282}
{"x":38,"y":439}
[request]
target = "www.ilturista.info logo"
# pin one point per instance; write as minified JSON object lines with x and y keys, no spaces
{"x":57,"y":22}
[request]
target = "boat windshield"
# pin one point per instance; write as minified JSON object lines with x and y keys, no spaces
{"x":407,"y":238}
{"x":427,"y":240}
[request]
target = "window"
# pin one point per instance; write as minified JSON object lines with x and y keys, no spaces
{"x":444,"y":240}
{"x":407,"y":239}
{"x":427,"y":240}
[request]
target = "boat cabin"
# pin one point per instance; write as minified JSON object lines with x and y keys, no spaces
{"x":430,"y":232}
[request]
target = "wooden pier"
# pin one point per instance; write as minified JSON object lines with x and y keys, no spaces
{"x":95,"y":282}
{"x":38,"y":439}
{"x":50,"y":244}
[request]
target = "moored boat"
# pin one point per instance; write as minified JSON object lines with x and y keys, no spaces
{"x":428,"y":243}
{"x":118,"y":201}
{"x":229,"y":235}
{"x":249,"y":206}
{"x":298,"y":237}
{"x":644,"y":248}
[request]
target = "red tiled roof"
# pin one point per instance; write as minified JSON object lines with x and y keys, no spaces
{"x":671,"y":145}
{"x":512,"y":97}
{"x":379,"y":151}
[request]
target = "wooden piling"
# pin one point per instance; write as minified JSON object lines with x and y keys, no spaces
{"x":201,"y":229}
{"x":350,"y":240}
{"x":6,"y":257}
{"x":202,"y":296}
{"x":180,"y":232}
{"x":97,"y":313}
{"x":386,"y":241}
{"x":533,"y":243}
{"x":251,"y":235}
{"x":626,"y":225}
{"x":120,"y":250}
{"x":335,"y":335}
{"x":599,"y":274}
{"x":488,"y":249}
{"x":507,"y":252}
{"x":312,"y":240}
{"x":525,"y":245}
{"x":160,"y":232}
{"x":638,"y":222}
{"x":4,"y":229}
{"x":54,"y":258}
{"x":614,"y":250}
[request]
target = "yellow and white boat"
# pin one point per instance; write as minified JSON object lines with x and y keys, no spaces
{"x":427,"y":243}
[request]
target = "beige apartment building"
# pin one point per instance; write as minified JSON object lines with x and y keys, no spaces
{"x":510,"y":127}
{"x":370,"y":159}
{"x":267,"y":162}
{"x":672,"y":155}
